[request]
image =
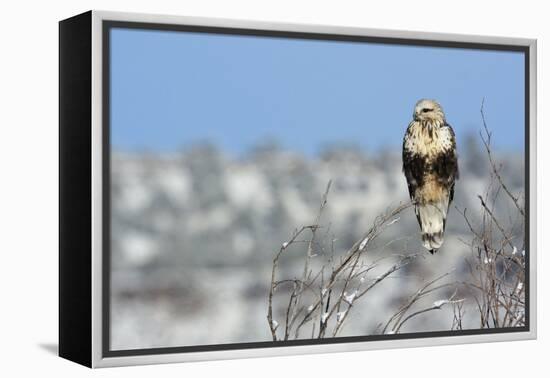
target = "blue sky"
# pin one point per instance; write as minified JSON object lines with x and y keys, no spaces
{"x":170,"y":90}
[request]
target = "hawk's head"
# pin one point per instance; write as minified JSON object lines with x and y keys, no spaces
{"x":428,"y":110}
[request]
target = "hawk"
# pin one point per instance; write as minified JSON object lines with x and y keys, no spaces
{"x":430,"y":166}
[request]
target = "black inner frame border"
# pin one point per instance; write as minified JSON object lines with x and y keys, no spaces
{"x":107,"y":25}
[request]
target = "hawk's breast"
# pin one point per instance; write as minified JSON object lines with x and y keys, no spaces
{"x":427,"y":140}
{"x":426,"y":148}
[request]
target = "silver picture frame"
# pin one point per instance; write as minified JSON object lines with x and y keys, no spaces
{"x":97,"y":356}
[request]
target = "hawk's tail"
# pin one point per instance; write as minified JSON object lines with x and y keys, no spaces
{"x":432,"y":219}
{"x":432,"y":242}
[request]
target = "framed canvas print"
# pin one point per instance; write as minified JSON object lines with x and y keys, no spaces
{"x":236,"y":189}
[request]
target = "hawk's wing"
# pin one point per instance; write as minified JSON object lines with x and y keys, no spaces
{"x":413,"y":166}
{"x":447,"y":165}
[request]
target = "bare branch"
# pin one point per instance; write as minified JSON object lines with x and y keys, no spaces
{"x":487,"y":143}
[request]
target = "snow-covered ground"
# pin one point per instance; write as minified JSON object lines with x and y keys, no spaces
{"x":194,"y":235}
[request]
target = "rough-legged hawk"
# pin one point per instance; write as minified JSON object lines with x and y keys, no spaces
{"x":430,"y":167}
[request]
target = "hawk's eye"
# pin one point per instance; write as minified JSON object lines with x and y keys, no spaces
{"x":426,"y":110}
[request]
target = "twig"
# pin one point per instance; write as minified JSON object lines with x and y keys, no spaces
{"x":486,"y":143}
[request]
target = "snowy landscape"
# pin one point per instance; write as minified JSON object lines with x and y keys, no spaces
{"x":194,"y":234}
